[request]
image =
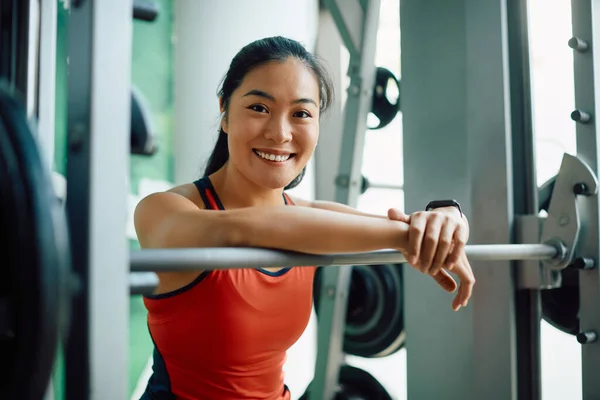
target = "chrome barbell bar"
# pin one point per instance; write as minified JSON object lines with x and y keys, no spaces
{"x":189,"y":259}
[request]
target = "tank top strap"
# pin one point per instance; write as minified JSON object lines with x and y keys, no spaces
{"x":288,"y":200}
{"x":208,"y":194}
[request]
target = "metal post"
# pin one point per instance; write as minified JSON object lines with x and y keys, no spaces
{"x":47,"y":80}
{"x":456,"y":109}
{"x":586,"y":48}
{"x":357,"y":22}
{"x":100,"y":35}
{"x":525,"y":197}
{"x":33,"y":40}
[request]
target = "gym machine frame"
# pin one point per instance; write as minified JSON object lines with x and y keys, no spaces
{"x":494,"y":343}
{"x":98,"y":121}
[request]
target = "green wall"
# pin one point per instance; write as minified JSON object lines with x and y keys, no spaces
{"x":152,"y":75}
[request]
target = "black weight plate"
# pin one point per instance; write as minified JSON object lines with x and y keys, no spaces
{"x":356,"y":384}
{"x":374,"y":315}
{"x":381,"y":106}
{"x":34,"y":253}
{"x":142,"y":136}
{"x":560,"y":306}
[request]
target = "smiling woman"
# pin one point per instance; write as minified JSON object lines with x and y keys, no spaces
{"x":224,"y":334}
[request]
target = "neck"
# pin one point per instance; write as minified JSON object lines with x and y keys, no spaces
{"x":236,"y":191}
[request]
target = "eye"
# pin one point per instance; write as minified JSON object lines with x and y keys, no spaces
{"x":258,"y":108}
{"x":302,"y":114}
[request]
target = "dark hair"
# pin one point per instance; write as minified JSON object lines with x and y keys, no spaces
{"x":257,"y":53}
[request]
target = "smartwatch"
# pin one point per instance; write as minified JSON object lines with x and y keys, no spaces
{"x":443,"y":203}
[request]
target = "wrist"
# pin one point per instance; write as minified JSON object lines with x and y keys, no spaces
{"x":398,"y":235}
{"x":443,"y":204}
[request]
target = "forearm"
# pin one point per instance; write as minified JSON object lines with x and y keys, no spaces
{"x":333,"y":206}
{"x":311,"y":230}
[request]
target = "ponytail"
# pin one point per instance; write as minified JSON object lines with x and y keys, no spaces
{"x":219,"y":155}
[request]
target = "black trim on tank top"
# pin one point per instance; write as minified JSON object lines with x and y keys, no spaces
{"x":204,"y":184}
{"x":182,"y":289}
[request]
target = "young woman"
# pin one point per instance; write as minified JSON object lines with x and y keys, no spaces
{"x":224,"y":334}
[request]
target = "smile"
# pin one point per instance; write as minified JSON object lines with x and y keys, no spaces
{"x":273,"y":157}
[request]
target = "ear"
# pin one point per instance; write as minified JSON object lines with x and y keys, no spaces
{"x":224,"y":124}
{"x":223,"y":116}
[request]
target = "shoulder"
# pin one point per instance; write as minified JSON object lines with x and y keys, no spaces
{"x":181,"y":197}
{"x":189,"y":191}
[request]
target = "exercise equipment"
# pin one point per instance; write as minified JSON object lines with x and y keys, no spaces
{"x":368,"y":184}
{"x":145,"y":10}
{"x":355,"y":384}
{"x":193,"y":259}
{"x":34,"y":288}
{"x":560,"y":306}
{"x":374,"y":314}
{"x":143,"y":135}
{"x":382,"y":106}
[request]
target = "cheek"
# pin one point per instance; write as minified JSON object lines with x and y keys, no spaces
{"x":243,"y":130}
{"x":307,"y":139}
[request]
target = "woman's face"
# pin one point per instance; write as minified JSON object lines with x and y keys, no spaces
{"x":272,"y":123}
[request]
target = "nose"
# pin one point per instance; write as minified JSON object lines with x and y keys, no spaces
{"x":279,"y":130}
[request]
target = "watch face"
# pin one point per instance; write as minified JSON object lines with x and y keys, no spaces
{"x":442,"y":203}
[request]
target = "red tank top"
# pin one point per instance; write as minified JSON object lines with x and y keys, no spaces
{"x":226,"y":334}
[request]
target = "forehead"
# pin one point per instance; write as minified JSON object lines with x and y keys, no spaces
{"x":288,"y":79}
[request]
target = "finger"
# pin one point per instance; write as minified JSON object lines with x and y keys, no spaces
{"x":398,"y":215}
{"x":430,"y":243}
{"x":445,"y":280}
{"x":444,"y":247}
{"x":415,"y":237}
{"x":467,"y":280}
{"x":459,"y":240}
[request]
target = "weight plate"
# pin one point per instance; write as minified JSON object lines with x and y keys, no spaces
{"x":35,"y":257}
{"x":374,"y":314}
{"x":381,"y":106}
{"x":356,"y":384}
{"x":142,"y":136}
{"x":560,"y":306}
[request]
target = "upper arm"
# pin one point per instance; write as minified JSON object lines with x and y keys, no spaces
{"x":170,"y":219}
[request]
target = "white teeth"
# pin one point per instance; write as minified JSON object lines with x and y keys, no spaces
{"x":272,"y":157}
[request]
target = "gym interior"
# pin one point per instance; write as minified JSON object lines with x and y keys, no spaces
{"x":490,"y":102}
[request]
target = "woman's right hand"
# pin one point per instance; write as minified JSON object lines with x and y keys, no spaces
{"x":436,"y":241}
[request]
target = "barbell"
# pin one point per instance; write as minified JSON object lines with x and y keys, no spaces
{"x":214,"y":258}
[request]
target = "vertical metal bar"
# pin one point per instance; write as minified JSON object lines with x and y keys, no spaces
{"x":525,"y":197}
{"x":586,"y":32}
{"x":47,"y":95}
{"x":336,"y":281}
{"x":33,"y":36}
{"x":47,"y":79}
{"x":456,"y":110}
{"x":489,"y":127}
{"x":434,"y":118}
{"x":100,"y":34}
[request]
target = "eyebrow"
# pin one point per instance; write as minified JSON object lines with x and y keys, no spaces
{"x":260,"y":93}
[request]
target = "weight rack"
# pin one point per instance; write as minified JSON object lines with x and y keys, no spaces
{"x":486,"y":344}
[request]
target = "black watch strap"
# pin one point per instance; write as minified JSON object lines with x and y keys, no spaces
{"x":432,"y":205}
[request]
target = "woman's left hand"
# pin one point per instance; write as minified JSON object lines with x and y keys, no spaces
{"x":437,"y":241}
